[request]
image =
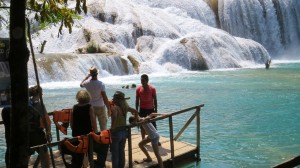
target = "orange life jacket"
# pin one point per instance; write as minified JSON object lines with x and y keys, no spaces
{"x":62,"y":116}
{"x":82,"y":147}
{"x":103,"y":138}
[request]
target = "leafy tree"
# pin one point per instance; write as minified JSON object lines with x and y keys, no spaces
{"x":47,"y":11}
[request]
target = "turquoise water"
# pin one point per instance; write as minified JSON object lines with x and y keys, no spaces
{"x":250,"y":118}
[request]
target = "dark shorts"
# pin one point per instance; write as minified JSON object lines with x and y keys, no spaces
{"x":145,"y":112}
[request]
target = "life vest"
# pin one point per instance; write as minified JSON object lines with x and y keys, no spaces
{"x":62,"y":116}
{"x":103,"y":138}
{"x":82,"y":147}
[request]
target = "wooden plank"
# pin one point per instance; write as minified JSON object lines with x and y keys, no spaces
{"x":180,"y":150}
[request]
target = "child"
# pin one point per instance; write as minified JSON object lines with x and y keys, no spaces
{"x":82,"y":121}
{"x":152,"y":137}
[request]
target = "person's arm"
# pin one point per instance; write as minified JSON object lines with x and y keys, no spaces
{"x":71,"y":119}
{"x":137,"y":102}
{"x":156,"y":114}
{"x":48,"y":122}
{"x":93,"y":119}
{"x":113,"y":118}
{"x":48,"y":128}
{"x":155,"y":104}
{"x":105,"y":99}
{"x":154,"y":97}
{"x":86,"y":78}
{"x":134,"y":112}
{"x":137,"y":99}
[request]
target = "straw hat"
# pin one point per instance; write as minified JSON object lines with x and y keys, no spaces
{"x":93,"y":71}
{"x":120,"y":96}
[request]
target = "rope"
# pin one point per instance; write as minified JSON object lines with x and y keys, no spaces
{"x":40,"y":94}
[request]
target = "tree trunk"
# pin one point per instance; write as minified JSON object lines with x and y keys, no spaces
{"x":18,"y":58}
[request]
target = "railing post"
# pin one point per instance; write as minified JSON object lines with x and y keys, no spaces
{"x":129,"y":148}
{"x":198,"y":133}
{"x":57,"y":133}
{"x":171,"y":141}
{"x":90,"y":151}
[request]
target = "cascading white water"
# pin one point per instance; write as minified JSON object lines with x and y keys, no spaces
{"x":227,"y":51}
{"x":71,"y":67}
{"x":273,"y":23}
{"x":173,"y":36}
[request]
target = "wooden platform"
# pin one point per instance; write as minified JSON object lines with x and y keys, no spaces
{"x":182,"y":150}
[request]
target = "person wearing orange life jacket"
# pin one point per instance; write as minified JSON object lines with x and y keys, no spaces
{"x":82,"y":121}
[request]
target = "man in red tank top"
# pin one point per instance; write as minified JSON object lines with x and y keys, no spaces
{"x":146,"y":101}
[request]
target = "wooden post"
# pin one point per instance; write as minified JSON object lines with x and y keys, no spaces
{"x":129,"y":148}
{"x":90,"y":151}
{"x":198,"y":133}
{"x":171,"y":141}
{"x":185,"y":126}
{"x":57,"y":133}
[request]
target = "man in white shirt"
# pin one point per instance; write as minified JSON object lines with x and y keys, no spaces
{"x":99,"y":100}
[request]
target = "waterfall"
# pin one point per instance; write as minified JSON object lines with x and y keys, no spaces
{"x":193,"y":52}
{"x":273,"y":23}
{"x":71,"y":67}
{"x":141,"y":36}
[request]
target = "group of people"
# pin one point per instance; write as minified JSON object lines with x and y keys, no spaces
{"x":146,"y":103}
{"x":93,"y":104}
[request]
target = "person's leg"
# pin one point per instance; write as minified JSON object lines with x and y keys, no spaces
{"x":102,"y":118}
{"x":77,"y":160}
{"x":144,"y":150}
{"x":97,"y":113}
{"x":156,"y":152}
{"x":115,"y":149}
{"x":44,"y":155}
{"x":122,"y":149}
{"x":143,"y":113}
{"x":101,"y":150}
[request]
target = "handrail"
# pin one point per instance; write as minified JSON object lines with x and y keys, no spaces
{"x":196,"y":115}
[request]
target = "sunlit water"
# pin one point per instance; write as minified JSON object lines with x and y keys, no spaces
{"x":250,"y":118}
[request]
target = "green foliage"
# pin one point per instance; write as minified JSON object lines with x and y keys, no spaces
{"x":56,"y":11}
{"x":92,"y":48}
{"x":51,"y":11}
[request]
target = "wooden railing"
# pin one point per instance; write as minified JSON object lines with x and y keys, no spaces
{"x":173,"y":138}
